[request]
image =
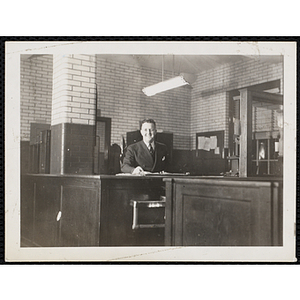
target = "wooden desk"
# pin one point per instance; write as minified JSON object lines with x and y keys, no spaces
{"x":74,"y":211}
{"x":116,"y":211}
{"x":223,"y":212}
{"x":71,"y":210}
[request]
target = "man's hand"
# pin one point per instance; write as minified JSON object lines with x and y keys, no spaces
{"x":138,"y":171}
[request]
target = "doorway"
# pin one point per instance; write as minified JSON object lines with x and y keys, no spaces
{"x":256,"y":139}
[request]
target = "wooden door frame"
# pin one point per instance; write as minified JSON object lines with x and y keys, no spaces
{"x":246,"y":94}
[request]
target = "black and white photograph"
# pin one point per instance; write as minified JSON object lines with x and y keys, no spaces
{"x":150,"y":151}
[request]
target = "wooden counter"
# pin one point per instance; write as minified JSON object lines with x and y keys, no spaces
{"x":72,"y":210}
{"x":223,"y":212}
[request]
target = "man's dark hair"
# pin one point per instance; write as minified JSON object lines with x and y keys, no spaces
{"x":148,"y":121}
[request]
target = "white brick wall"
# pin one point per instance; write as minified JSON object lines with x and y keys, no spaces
{"x":35,"y":92}
{"x":74,"y":89}
{"x":120,"y":97}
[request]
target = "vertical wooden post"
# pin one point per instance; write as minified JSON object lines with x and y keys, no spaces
{"x":169,"y":224}
{"x":246,"y":133}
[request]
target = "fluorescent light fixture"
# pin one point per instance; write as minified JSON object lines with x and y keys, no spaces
{"x":168,"y":84}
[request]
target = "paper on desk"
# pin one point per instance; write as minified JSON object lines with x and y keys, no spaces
{"x":127,"y":174}
{"x":145,"y":173}
{"x":150,"y":173}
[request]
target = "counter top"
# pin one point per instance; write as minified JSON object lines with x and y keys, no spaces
{"x":162,"y":176}
{"x":246,"y":182}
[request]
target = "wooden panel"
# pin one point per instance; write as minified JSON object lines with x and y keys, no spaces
{"x":25,"y":157}
{"x":277,"y":217}
{"x":34,"y":158}
{"x":27,"y":209}
{"x":213,"y":222}
{"x":75,"y":198}
{"x":169,"y":241}
{"x":103,"y":137}
{"x":44,"y":155}
{"x":56,"y":158}
{"x":80,"y":220}
{"x":223,"y":213}
{"x":46,"y":208}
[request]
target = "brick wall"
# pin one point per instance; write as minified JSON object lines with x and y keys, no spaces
{"x":210,"y":101}
{"x":73,"y":114}
{"x":120,"y":98}
{"x":36,"y":91}
{"x":74,"y":90}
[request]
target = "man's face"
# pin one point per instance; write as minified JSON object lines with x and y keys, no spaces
{"x":148,"y":132}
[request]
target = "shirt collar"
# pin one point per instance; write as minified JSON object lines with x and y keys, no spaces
{"x":148,"y":145}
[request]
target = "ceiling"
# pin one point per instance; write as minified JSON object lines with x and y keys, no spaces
{"x":192,"y":64}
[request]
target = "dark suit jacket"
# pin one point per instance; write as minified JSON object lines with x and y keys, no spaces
{"x":138,"y":155}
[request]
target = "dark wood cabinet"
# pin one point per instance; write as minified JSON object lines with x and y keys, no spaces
{"x":216,"y":212}
{"x":80,"y":213}
{"x":44,"y":151}
{"x":27,"y":209}
{"x":46,"y":209}
{"x":60,"y":210}
{"x":40,"y":204}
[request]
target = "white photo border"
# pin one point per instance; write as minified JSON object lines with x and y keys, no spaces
{"x":15,"y":253}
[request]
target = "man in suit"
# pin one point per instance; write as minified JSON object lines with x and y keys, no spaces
{"x":146,"y":155}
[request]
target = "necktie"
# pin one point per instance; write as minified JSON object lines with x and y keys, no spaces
{"x":151,"y":150}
